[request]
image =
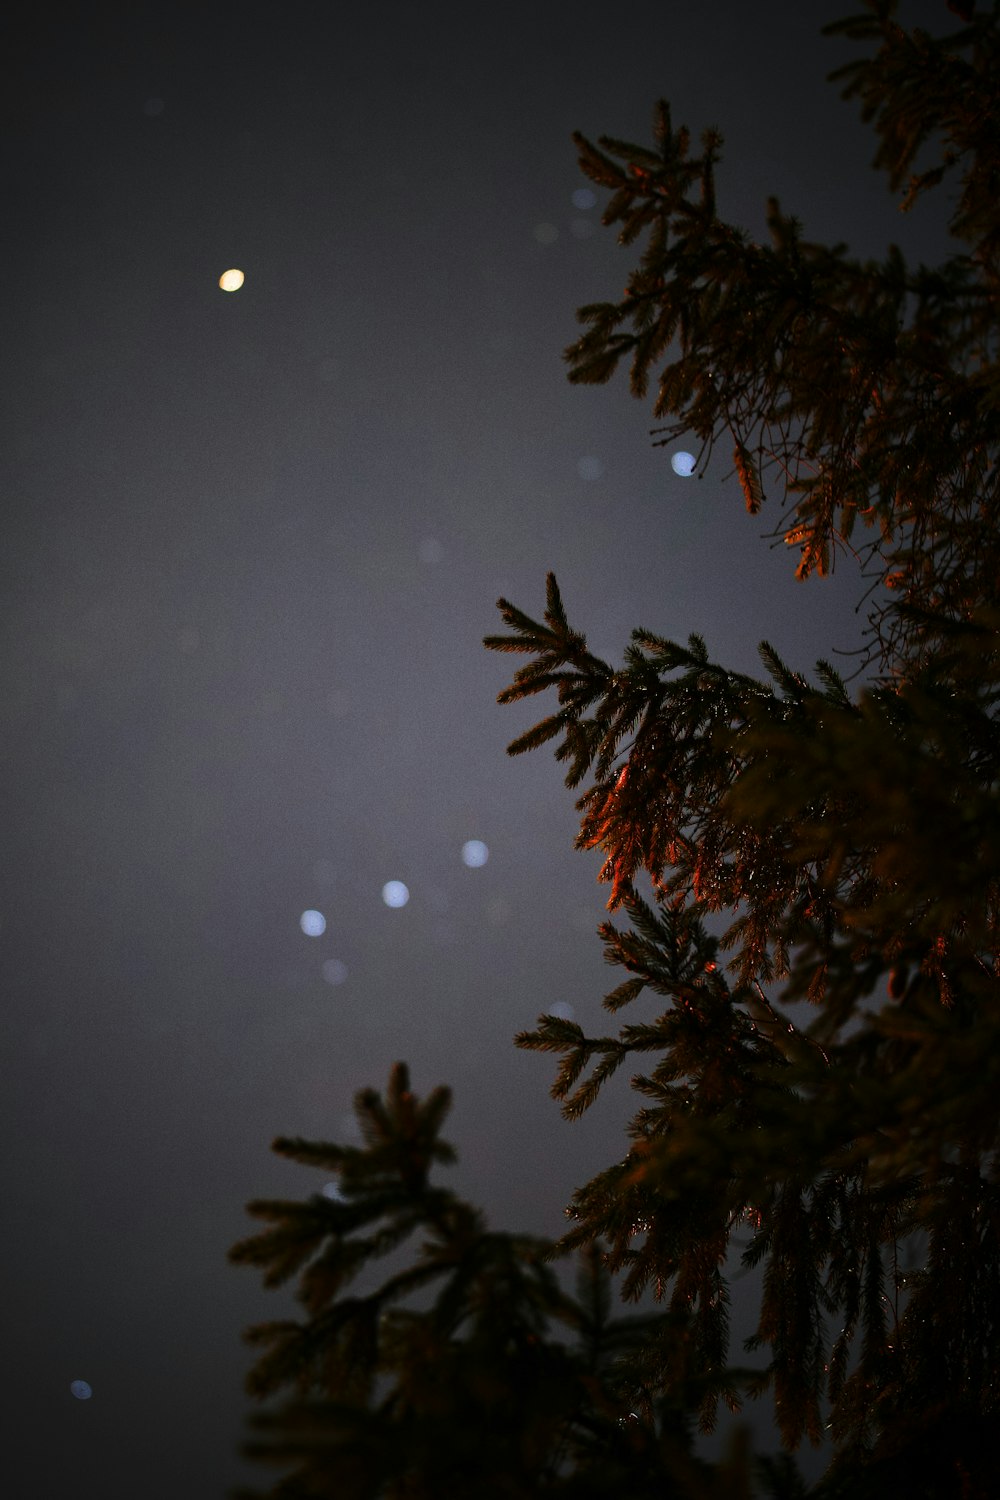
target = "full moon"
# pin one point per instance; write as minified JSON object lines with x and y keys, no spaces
{"x":682,"y":463}
{"x":231,"y":281}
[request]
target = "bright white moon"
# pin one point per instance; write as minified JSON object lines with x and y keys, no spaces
{"x":474,"y":853}
{"x":231,"y":281}
{"x":394,"y":893}
{"x":313,"y":923}
{"x":682,"y":463}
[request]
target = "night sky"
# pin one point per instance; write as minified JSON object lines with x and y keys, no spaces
{"x":251,"y":545}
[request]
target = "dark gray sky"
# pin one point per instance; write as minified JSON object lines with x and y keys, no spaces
{"x":251,"y":544}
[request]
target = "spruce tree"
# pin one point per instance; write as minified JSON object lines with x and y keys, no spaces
{"x":467,"y":1369}
{"x":773,"y":846}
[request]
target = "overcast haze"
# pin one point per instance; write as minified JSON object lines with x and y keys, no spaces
{"x":252,"y":543}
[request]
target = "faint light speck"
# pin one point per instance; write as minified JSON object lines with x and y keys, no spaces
{"x":589,"y":467}
{"x":474,"y":853}
{"x":545,"y":234}
{"x":682,"y":463}
{"x":562,"y":1009}
{"x":395,"y":893}
{"x":333,"y":1191}
{"x":81,"y":1390}
{"x":431,"y":550}
{"x":313,"y":923}
{"x":334,"y":970}
{"x":584,"y":198}
{"x":581,"y":229}
{"x":232,"y":280}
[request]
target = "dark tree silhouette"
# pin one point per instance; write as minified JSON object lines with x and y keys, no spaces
{"x":803,"y":849}
{"x":469,"y":1370}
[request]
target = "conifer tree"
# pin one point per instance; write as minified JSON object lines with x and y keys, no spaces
{"x":773,"y":846}
{"x":468,"y":1370}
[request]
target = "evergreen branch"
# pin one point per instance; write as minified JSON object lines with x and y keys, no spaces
{"x":546,"y":730}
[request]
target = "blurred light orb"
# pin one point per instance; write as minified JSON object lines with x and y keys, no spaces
{"x":584,"y":198}
{"x":81,"y":1390}
{"x":562,"y":1009}
{"x":395,"y":893}
{"x":334,"y":970}
{"x":589,"y":467}
{"x":682,"y":463}
{"x":333,"y":1192}
{"x":231,"y":281}
{"x":313,"y":923}
{"x":474,"y":853}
